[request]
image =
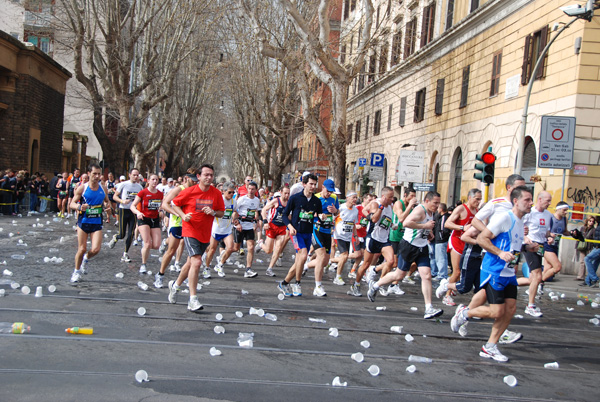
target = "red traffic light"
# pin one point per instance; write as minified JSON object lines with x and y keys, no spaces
{"x":488,"y":158}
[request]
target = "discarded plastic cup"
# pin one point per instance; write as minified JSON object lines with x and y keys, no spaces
{"x":594,"y":305}
{"x":555,"y":298}
{"x":119,"y":275}
{"x":235,"y":271}
{"x":414,"y":308}
{"x":365,"y":344}
{"x":518,"y":316}
{"x":219,"y":317}
{"x":39,"y":292}
{"x":239,"y":314}
{"x":244,"y":292}
{"x":320,"y":320}
{"x":357,"y":357}
{"x":396,"y":328}
{"x":219,"y":329}
{"x":7,"y":272}
{"x":18,"y":257}
{"x":381,"y":308}
{"x":46,"y":259}
{"x":419,"y":359}
{"x":374,"y":370}
{"x":411,"y":368}
{"x":271,"y":317}
{"x":25,"y":290}
{"x":2,"y":292}
{"x":510,"y":380}
{"x":141,"y":311}
{"x":553,"y":365}
{"x":580,"y":303}
{"x":570,"y":309}
{"x":214,"y":352}
{"x":141,"y":376}
{"x":337,"y":382}
{"x":246,"y":340}
{"x":280,"y":296}
{"x":51,"y":288}
{"x":333,"y":332}
{"x":409,"y":338}
{"x":142,"y":285}
{"x":595,"y":321}
{"x":15,"y":285}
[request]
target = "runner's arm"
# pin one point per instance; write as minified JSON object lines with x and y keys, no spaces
{"x":456,"y":214}
{"x":74,"y":201}
{"x":170,"y":196}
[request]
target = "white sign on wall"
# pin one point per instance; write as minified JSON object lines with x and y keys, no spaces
{"x":557,"y":140}
{"x":512,"y":87}
{"x":410,"y":166}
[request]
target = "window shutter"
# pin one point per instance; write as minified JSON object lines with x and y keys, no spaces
{"x":349,"y":133}
{"x":464,"y":94}
{"x":439,"y":96}
{"x":367,"y":128}
{"x":498,"y":67}
{"x":425,"y":26}
{"x":390,"y":118}
{"x":450,"y":14}
{"x":431,"y":22}
{"x":543,"y":43}
{"x":526,"y":60}
{"x":402,"y":120}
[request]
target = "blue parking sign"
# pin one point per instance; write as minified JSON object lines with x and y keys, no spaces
{"x":362,"y":162}
{"x":377,"y":159}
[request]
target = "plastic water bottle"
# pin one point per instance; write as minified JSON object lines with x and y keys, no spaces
{"x":142,"y":285}
{"x":419,"y":359}
{"x":80,"y":330}
{"x":14,"y":328}
{"x":18,"y":257}
{"x":271,"y":317}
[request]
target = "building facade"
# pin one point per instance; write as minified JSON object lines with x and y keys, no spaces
{"x":449,"y":79}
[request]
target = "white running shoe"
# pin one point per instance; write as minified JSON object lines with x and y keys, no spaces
{"x":371,"y":274}
{"x":305,"y":269}
{"x":158,"y":281}
{"x":135,"y":243}
{"x":278,"y":262}
{"x":443,"y":288}
{"x":206,"y":273}
{"x":395,"y":290}
{"x":177,"y":267}
{"x":339,"y":281}
{"x":296,"y":289}
{"x":112,"y":242}
{"x":84,"y":263}
{"x":258,"y":246}
{"x":354,"y":290}
{"x":125,"y":258}
{"x":319,"y":291}
{"x":219,"y":270}
{"x":409,"y":280}
{"x":492,"y":353}
{"x":533,"y":311}
{"x":173,"y":289}
{"x":250,"y":273}
{"x":432,"y":312}
{"x":270,"y":272}
{"x":509,"y":337}
{"x":143,"y":269}
{"x":76,"y":277}
{"x":194,"y":304}
{"x":352,"y":275}
{"x":463,"y":331}
{"x":458,"y":319}
{"x":448,"y":301}
{"x":383,"y":291}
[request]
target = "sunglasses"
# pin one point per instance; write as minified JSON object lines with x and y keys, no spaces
{"x":230,"y":192}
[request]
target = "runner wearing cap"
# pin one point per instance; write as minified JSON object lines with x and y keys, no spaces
{"x":346,"y":225}
{"x":299,"y":187}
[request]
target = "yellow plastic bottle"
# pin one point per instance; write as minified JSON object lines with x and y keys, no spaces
{"x":80,"y":331}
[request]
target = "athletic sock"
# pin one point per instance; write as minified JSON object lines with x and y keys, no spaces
{"x":283,"y":282}
{"x":465,"y":314}
{"x":317,"y":283}
{"x":428,"y":306}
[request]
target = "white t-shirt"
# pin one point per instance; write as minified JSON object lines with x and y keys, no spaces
{"x":492,"y":207}
{"x":127,"y":191}
{"x":538,"y":224}
{"x":344,"y":222}
{"x":501,"y":225}
{"x":419,"y":237}
{"x":162,"y":188}
{"x":247,"y":208}
{"x":222,"y":226}
{"x":296,"y":188}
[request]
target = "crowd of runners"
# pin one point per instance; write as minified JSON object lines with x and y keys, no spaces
{"x":381,"y":241}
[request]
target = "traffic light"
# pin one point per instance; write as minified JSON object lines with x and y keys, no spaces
{"x":486,"y":168}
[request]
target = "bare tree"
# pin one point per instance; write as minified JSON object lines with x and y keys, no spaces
{"x":315,"y":56}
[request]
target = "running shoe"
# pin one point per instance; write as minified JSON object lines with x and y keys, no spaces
{"x":448,"y":301}
{"x":258,"y":247}
{"x":409,"y":280}
{"x":242,"y":251}
{"x":443,"y":288}
{"x":84,"y":263}
{"x":135,"y":243}
{"x":339,"y":281}
{"x":458,"y":319}
{"x":305,"y":269}
{"x":158,"y":281}
{"x":319,"y":291}
{"x":163,"y":247}
{"x":285,"y":289}
{"x":143,"y":269}
{"x":509,"y":337}
{"x":219,"y":270}
{"x":395,"y":290}
{"x":371,"y":274}
{"x":540,"y":289}
{"x":383,"y":291}
{"x":177,"y":267}
{"x":333,"y":267}
{"x":372,"y":292}
{"x":194,"y":304}
{"x":432,"y":312}
{"x":125,"y":258}
{"x":352,"y":274}
{"x":139,"y":238}
{"x":533,"y":311}
{"x":112,"y":242}
{"x":463,"y":331}
{"x":173,"y":289}
{"x":206,"y":273}
{"x":296,"y":289}
{"x":250,"y":273}
{"x":492,"y":353}
{"x":278,"y":262}
{"x":354,"y":290}
{"x":270,"y":272}
{"x":76,"y":277}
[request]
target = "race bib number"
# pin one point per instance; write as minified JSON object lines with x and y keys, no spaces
{"x":540,"y":250}
{"x":515,"y":260}
{"x":306,"y":216}
{"x":328,"y":218}
{"x":385,"y":223}
{"x":154,"y":205}
{"x":364,"y":222}
{"x":201,"y":204}
{"x":251,"y":213}
{"x":227,"y":214}
{"x":425,"y":234}
{"x":131,"y":196}
{"x":347,"y":227}
{"x":94,"y":211}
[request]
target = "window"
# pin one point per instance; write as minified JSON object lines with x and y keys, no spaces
{"x":464,"y":92}
{"x":420,"y":105}
{"x":495,"y":84}
{"x":439,"y":96}
{"x":349,"y":133}
{"x":390,"y":118}
{"x":396,"y":48}
{"x":383,"y":58}
{"x":534,"y":45}
{"x":357,"y":132}
{"x":352,"y":5}
{"x":428,"y":24}
{"x":411,"y":33}
{"x":377,"y":123}
{"x":346,"y":9}
{"x":343,"y":55}
{"x":372,"y":68}
{"x":450,"y":14}
{"x":367,"y":128}
{"x":474,"y":5}
{"x":351,"y":44}
{"x":402,"y":118}
{"x":361,"y":78}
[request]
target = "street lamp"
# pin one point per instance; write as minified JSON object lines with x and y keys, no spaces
{"x":577,"y":12}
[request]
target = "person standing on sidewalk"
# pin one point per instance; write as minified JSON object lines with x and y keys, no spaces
{"x":441,"y":242}
{"x":592,"y":260}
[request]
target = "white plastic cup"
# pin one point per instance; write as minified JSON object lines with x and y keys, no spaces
{"x":214,"y":352}
{"x":2,"y":292}
{"x":409,"y":338}
{"x":15,"y":285}
{"x":411,"y":368}
{"x":553,"y":365}
{"x":374,"y":370}
{"x":337,"y":382}
{"x":280,"y":296}
{"x":239,"y":314}
{"x":141,"y":376}
{"x":25,"y":290}
{"x":381,"y":308}
{"x":141,"y":311}
{"x":219,"y":317}
{"x":510,"y":380}
{"x":333,"y":332}
{"x":365,"y":344}
{"x":414,"y":308}
{"x":51,"y":288}
{"x":396,"y":328}
{"x":119,"y":275}
{"x":219,"y":329}
{"x":357,"y":357}
{"x":7,"y":272}
{"x":39,"y":292}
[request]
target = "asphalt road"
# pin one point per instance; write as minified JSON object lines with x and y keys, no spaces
{"x":293,"y":359}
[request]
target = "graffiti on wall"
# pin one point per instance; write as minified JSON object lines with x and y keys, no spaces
{"x":591,"y":198}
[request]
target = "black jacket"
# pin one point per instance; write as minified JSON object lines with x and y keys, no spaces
{"x":441,"y":234}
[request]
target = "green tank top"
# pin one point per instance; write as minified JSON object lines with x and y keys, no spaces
{"x":396,"y":235}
